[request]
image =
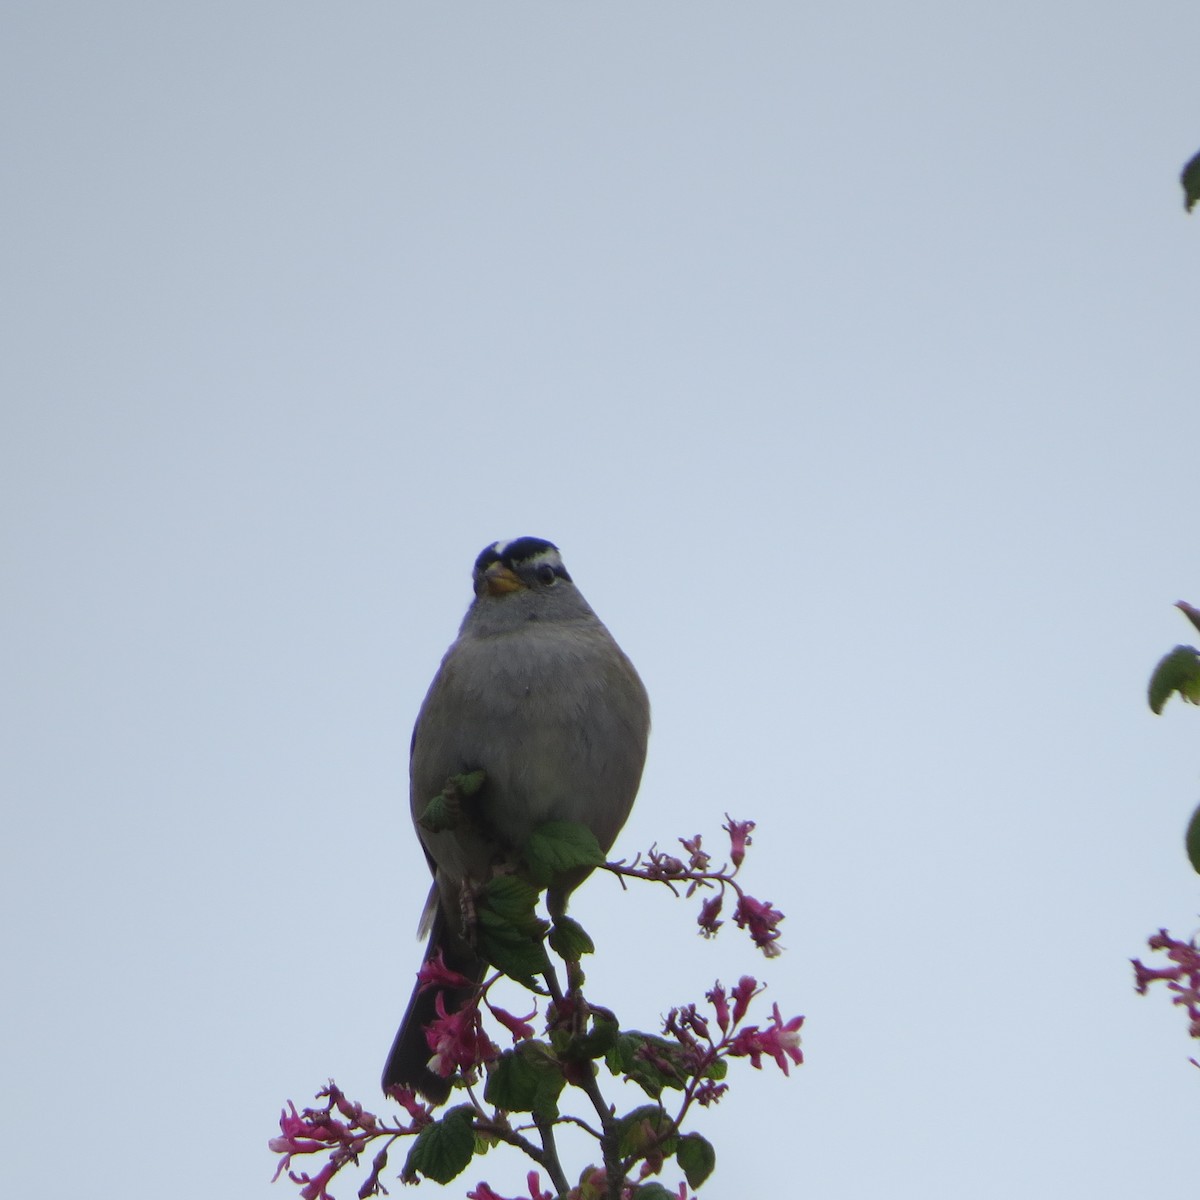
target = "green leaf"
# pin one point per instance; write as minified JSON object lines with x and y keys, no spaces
{"x":591,"y":1188}
{"x":559,"y":847}
{"x":645,"y":1130}
{"x":517,"y":957}
{"x":583,"y":1047}
{"x":1190,"y":178}
{"x":508,"y":898}
{"x":696,"y":1157}
{"x":651,"y":1062}
{"x":444,"y":811}
{"x":569,"y":940}
{"x":468,"y":784}
{"x":1192,"y":841}
{"x":509,"y":932}
{"x":654,"y":1191}
{"x":596,"y":1043}
{"x":444,"y":1149}
{"x":1179,"y":672}
{"x":527,"y":1079}
{"x":439,"y":815}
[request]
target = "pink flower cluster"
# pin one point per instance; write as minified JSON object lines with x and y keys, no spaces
{"x":457,"y":1039}
{"x":762,"y":921}
{"x":760,"y":918}
{"x":1182,"y":978}
{"x":779,"y":1041}
{"x":533,"y":1181}
{"x":745,"y":991}
{"x":343,"y":1137}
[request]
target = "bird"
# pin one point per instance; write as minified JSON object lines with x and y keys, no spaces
{"x":535,"y":693}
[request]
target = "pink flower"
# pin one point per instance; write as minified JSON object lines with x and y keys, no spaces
{"x":687,"y":1026}
{"x":519,"y":1027}
{"x":779,"y":1041}
{"x":739,"y":838}
{"x":1143,"y":975}
{"x":698,"y":860}
{"x":708,"y":1092}
{"x":435,"y":973}
{"x":665,"y":866}
{"x":534,"y":1183}
{"x":707,"y":920}
{"x":1183,"y":979}
{"x":408,"y":1100}
{"x":307,"y":1133}
{"x":717,"y":999}
{"x":483,"y":1192}
{"x":746,"y":990}
{"x":314,"y":1188}
{"x":457,"y":1039}
{"x":300,"y":1136}
{"x":762,"y":921}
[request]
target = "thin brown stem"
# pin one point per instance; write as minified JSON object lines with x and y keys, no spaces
{"x":552,"y":1163}
{"x":613,"y":1168}
{"x":504,"y":1132}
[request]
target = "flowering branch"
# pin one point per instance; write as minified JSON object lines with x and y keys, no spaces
{"x":522,"y":1086}
{"x":343,"y":1137}
{"x":1178,"y":673}
{"x":759,"y":917}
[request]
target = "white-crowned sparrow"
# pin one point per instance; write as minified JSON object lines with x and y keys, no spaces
{"x":537,"y":695}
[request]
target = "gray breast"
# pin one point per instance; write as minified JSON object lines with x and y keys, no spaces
{"x":558,"y":721}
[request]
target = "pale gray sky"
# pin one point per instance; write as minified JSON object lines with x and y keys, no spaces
{"x":849,"y":354}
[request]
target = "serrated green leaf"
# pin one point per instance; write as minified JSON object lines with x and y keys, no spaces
{"x":653,"y":1063}
{"x":439,"y":815}
{"x":581,"y":1047}
{"x":444,"y":811}
{"x":596,"y":1043}
{"x":696,"y":1157}
{"x":653,"y":1191}
{"x":508,"y":897}
{"x":509,"y":932}
{"x":569,"y":940}
{"x":1179,"y":672}
{"x":593,"y":1185}
{"x":1192,"y":841}
{"x":517,"y":957}
{"x":444,"y":1149}
{"x":527,"y":1079}
{"x":559,"y":847}
{"x":646,"y":1129}
{"x":1190,"y":178}
{"x":470,"y":783}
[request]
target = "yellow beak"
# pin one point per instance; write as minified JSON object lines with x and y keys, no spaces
{"x":499,"y":580}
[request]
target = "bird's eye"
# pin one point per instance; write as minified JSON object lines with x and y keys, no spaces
{"x":547,"y":575}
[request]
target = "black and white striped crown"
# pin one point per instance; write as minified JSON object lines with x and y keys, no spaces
{"x":522,"y":554}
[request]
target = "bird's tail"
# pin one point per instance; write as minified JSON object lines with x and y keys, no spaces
{"x":408,"y":1061}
